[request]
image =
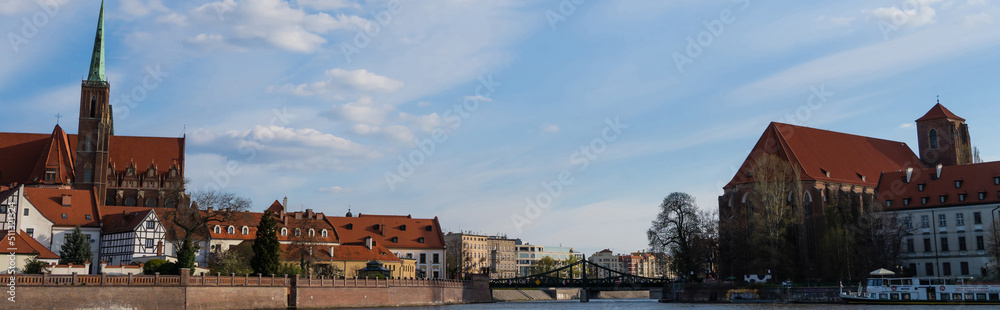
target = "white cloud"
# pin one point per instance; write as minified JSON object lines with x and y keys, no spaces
{"x":172,"y":19}
{"x":426,"y":123}
{"x":328,"y":4}
{"x":911,"y":15}
{"x":549,"y":128}
{"x":364,"y":110}
{"x":339,"y":80}
{"x":284,"y":142}
{"x":274,"y":22}
{"x":335,"y":190}
{"x":479,"y":98}
{"x":139,"y":8}
{"x":906,"y":125}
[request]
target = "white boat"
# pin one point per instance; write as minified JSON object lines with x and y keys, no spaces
{"x":923,"y":291}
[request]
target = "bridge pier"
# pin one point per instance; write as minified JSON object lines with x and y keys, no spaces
{"x":584,"y":295}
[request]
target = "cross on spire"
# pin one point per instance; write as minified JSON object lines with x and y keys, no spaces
{"x":58,"y":116}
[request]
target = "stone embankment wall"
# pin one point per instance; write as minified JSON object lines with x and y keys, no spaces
{"x":736,"y":294}
{"x":166,"y":292}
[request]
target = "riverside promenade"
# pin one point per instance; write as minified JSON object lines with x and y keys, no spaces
{"x":236,"y":292}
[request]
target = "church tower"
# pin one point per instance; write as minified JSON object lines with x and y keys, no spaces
{"x":96,"y":126}
{"x":943,"y":138}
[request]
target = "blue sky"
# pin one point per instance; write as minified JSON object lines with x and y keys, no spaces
{"x":493,"y":102}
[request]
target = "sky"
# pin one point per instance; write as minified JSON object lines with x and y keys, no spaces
{"x":557,"y":122}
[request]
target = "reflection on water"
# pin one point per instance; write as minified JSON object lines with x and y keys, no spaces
{"x":652,"y":304}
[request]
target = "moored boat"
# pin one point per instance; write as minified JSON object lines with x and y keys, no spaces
{"x":923,"y":291}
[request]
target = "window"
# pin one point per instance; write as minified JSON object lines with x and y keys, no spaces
{"x":944,"y":244}
{"x":977,"y":218}
{"x":324,"y":233}
{"x":888,"y":203}
{"x":961,"y":244}
{"x":943,"y":220}
{"x":217,"y":229}
{"x":958,"y":183}
{"x":231,"y":230}
{"x":946,"y":269}
{"x":350,"y":226}
{"x":920,"y":187}
{"x":979,"y":243}
{"x":927,"y":244}
{"x":150,"y":225}
{"x":932,"y":136}
{"x":149,"y":243}
{"x":420,"y":240}
{"x":298,"y":232}
{"x":906,"y":201}
{"x":64,"y":216}
{"x":429,"y":228}
{"x":437,"y":258}
{"x":25,"y":211}
{"x":965,"y":268}
{"x":423,"y":258}
{"x":395,"y":239}
{"x":245,"y":230}
{"x":284,"y":231}
{"x":3,"y":208}
{"x":996,"y":180}
{"x":961,"y":197}
{"x":943,"y":198}
{"x":929,"y":269}
{"x":925,"y":221}
{"x":982,"y":195}
{"x":923,"y":200}
{"x":909,"y":246}
{"x":402,"y":227}
{"x":86,"y":217}
{"x":150,"y":203}
{"x":312,"y":232}
{"x":960,"y":219}
{"x":30,"y":231}
{"x":130,"y":202}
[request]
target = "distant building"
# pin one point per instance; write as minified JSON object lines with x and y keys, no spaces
{"x":22,"y":248}
{"x":405,"y":236}
{"x":481,"y":254}
{"x":643,"y":264}
{"x":128,"y":233}
{"x":528,"y":254}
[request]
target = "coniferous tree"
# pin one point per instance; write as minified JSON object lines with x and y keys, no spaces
{"x":266,"y":250}
{"x":76,"y":249}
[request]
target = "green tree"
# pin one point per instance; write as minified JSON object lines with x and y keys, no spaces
{"x":34,"y":266}
{"x":266,"y":250}
{"x":153,"y":266}
{"x":76,"y":249}
{"x":192,"y":221}
{"x":543,"y":265}
{"x":573,"y":272}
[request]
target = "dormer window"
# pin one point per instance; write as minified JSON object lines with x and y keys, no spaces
{"x":420,"y":240}
{"x":245,"y":230}
{"x":429,"y":228}
{"x":350,"y":226}
{"x":377,"y":226}
{"x":920,"y":187}
{"x":217,"y":229}
{"x":906,"y":201}
{"x":324,"y":233}
{"x":284,"y":232}
{"x":402,"y":227}
{"x":961,"y":197}
{"x":64,"y":216}
{"x":312,"y":232}
{"x":298,"y":232}
{"x":888,"y":203}
{"x":982,"y":195}
{"x":996,"y":180}
{"x":943,"y":198}
{"x":958,"y":183}
{"x":231,"y":230}
{"x":395,"y":239}
{"x":923,"y":200}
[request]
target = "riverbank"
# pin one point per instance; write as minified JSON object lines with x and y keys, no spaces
{"x":544,"y":294}
{"x":726,"y":294}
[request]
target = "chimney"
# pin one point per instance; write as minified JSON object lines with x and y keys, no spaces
{"x":939,"y":166}
{"x":309,"y":213}
{"x":331,"y":253}
{"x":159,"y":248}
{"x":67,"y":200}
{"x":209,"y":209}
{"x":368,"y":242}
{"x":298,"y":215}
{"x":284,"y":203}
{"x":909,"y":174}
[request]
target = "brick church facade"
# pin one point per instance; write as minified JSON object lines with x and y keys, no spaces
{"x":120,"y":170}
{"x":832,"y":167}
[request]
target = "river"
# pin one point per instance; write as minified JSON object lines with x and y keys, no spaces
{"x":652,"y":304}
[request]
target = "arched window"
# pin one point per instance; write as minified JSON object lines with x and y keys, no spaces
{"x":807,"y":200}
{"x":217,"y":229}
{"x":93,"y":106}
{"x":933,"y":138}
{"x":150,"y":203}
{"x":284,"y":231}
{"x":312,"y":232}
{"x":245,"y":230}
{"x":130,"y":202}
{"x":170,"y":203}
{"x":231,"y":230}
{"x":298,"y":232}
{"x":324,"y":233}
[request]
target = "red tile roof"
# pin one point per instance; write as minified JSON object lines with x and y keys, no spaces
{"x":55,"y":154}
{"x":252,"y":219}
{"x":939,"y":111}
{"x":49,"y":201}
{"x":390,"y":226}
{"x":24,"y":244}
{"x":975,"y":178}
{"x":119,"y":219}
{"x":824,"y":155}
{"x":23,"y":151}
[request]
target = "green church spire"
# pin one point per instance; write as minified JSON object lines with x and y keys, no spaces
{"x":97,"y":60}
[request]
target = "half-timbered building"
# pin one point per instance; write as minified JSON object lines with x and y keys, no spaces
{"x":130,"y":233}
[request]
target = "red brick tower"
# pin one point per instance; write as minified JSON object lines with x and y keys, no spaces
{"x":96,"y":125}
{"x":943,"y":138}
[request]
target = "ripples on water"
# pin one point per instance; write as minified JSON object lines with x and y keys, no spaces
{"x":652,"y":304}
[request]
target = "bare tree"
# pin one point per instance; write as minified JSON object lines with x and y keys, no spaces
{"x":776,"y":192}
{"x":679,"y":229}
{"x":191,"y":221}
